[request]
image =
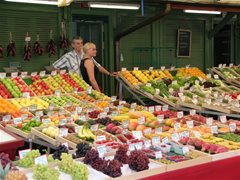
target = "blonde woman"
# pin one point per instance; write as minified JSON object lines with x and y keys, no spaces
{"x":89,"y":69}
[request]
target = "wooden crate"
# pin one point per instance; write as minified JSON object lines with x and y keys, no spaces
{"x":37,"y":133}
{"x":18,"y":131}
{"x":225,"y":155}
{"x":166,"y":101}
{"x":64,"y":140}
{"x":216,"y":108}
{"x":125,"y":80}
{"x":189,"y":105}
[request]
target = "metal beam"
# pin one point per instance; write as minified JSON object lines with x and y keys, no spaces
{"x":217,"y":28}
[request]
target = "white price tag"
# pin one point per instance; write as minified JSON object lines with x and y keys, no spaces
{"x":209,"y":76}
{"x":147,"y":143}
{"x":141,"y":120}
{"x":139,"y":145}
{"x":28,"y":38}
{"x":196,"y":134}
{"x":14,"y":74}
{"x":53,"y":73}
{"x":172,"y":67}
{"x":135,"y":68}
{"x":162,"y":68}
{"x":158,"y":154}
{"x":164,"y":107}
{"x":174,"y":82}
{"x":63,"y":132}
{"x":158,"y":108}
{"x":158,"y":130}
{"x":82,"y":118}
{"x":190,"y":124}
{"x":231,"y":65}
{"x":63,"y":121}
{"x":34,"y":74}
{"x":232,"y":127}
{"x":113,"y":98}
{"x":220,"y":65}
{"x":102,"y":150}
{"x":46,"y":121}
{"x":151,"y":109}
{"x":89,"y":90}
{"x":2,"y":75}
{"x":94,"y":127}
{"x":192,"y":112}
{"x":17,"y":120}
{"x":24,"y":116}
{"x":63,"y":71}
{"x":101,"y":138}
{"x":224,"y":65}
{"x":79,"y":110}
{"x":41,"y":160}
{"x":185,"y":150}
{"x":170,"y":90}
{"x":26,"y":95}
{"x":209,"y":121}
{"x":185,"y":134}
{"x":165,"y":140}
{"x":33,"y":107}
{"x":150,"y":68}
{"x":180,"y":114}
{"x":181,"y":89}
{"x":23,"y":153}
{"x":77,"y":129}
{"x":208,"y":101}
{"x":6,"y":118}
{"x":133,"y":105}
{"x":24,"y":74}
{"x":147,"y":131}
{"x":123,"y":69}
{"x":177,"y":126}
{"x":58,"y":92}
{"x":42,"y":73}
{"x":131,"y":147}
{"x":214,"y":129}
{"x":102,"y":115}
{"x":223,"y":119}
{"x":106,"y":109}
{"x":157,"y":91}
{"x":155,"y":140}
{"x":137,"y":134}
{"x":175,"y":137}
{"x":148,"y":84}
{"x":125,"y":123}
{"x":216,"y":76}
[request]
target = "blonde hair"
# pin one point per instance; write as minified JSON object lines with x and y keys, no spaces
{"x":87,"y":46}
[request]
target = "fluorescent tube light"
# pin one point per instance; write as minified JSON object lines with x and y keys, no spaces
{"x":201,"y":11}
{"x":35,"y":2}
{"x":114,"y":5}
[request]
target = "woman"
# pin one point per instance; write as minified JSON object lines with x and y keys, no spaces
{"x":89,"y":69}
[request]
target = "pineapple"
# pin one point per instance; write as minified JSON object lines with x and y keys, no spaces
{"x":4,"y":171}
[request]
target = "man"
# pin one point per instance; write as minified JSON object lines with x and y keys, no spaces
{"x":72,"y":59}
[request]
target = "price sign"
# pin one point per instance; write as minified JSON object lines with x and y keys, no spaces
{"x":42,"y":73}
{"x":185,"y":134}
{"x":82,"y":118}
{"x":34,"y":74}
{"x":196,"y":134}
{"x":231,"y":65}
{"x":133,"y":105}
{"x":63,"y":132}
{"x":131,"y":147}
{"x":33,"y":107}
{"x":53,"y":73}
{"x":170,"y":90}
{"x":63,"y":71}
{"x":160,"y":118}
{"x":106,"y":109}
{"x":2,"y":75}
{"x":177,"y":126}
{"x":220,"y":65}
{"x":174,"y":82}
{"x":113,"y":98}
{"x":137,"y":134}
{"x":63,"y":121}
{"x":223,"y":119}
{"x":158,"y":130}
{"x":41,"y":160}
{"x":17,"y":120}
{"x":175,"y":137}
{"x":26,"y":95}
{"x":135,"y":68}
{"x":209,"y":121}
{"x":172,"y":68}
{"x":119,"y":107}
{"x":141,"y":120}
{"x":89,"y":90}
{"x":181,"y":89}
{"x":102,"y":115}
{"x":27,"y":38}
{"x":232,"y":127}
{"x":190,"y":124}
{"x":148,"y":84}
{"x":216,"y":76}
{"x":155,"y":140}
{"x":186,"y":85}
{"x":122,"y":102}
{"x":24,"y":74}
{"x":125,"y":123}
{"x":79,"y":110}
{"x":197,"y":82}
{"x":185,"y":150}
{"x":180,"y":114}
{"x":214,"y":129}
{"x":147,"y":143}
{"x":158,"y":108}
{"x":14,"y":74}
{"x":101,"y":138}
{"x":165,"y":140}
{"x":77,"y":129}
{"x":162,"y":68}
{"x":6,"y":118}
{"x":123,"y":69}
{"x":24,"y":116}
{"x":150,"y":68}
{"x":224,"y":65}
{"x":94,"y":127}
{"x":151,"y":109}
{"x":158,"y":154}
{"x":209,"y":76}
{"x":102,"y":150}
{"x":147,"y":131}
{"x":164,"y":107}
{"x":23,"y":153}
{"x":58,"y":92}
{"x":192,"y":112}
{"x":69,"y":120}
{"x":139,"y":145}
{"x":157,"y":91}
{"x":46,"y":121}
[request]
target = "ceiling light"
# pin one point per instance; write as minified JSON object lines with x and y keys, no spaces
{"x":35,"y":2}
{"x":201,"y":11}
{"x":113,"y":5}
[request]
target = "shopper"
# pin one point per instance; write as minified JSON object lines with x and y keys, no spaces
{"x":71,"y":60}
{"x":89,"y":69}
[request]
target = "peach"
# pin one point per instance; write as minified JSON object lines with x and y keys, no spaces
{"x":132,"y":125}
{"x":140,"y":127}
